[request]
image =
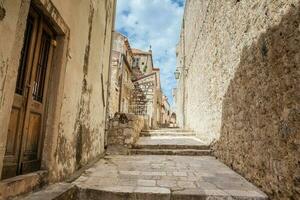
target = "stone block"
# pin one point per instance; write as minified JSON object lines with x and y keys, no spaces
{"x":146,"y":183}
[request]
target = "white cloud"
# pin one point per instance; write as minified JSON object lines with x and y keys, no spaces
{"x":156,"y":23}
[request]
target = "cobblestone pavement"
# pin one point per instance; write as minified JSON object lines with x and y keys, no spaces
{"x":163,"y":177}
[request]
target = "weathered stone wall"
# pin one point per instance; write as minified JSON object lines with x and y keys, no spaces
{"x":245,"y":58}
{"x":125,"y":129}
{"x":81,"y":128}
{"x":180,"y":90}
{"x":74,"y":131}
{"x":114,"y":89}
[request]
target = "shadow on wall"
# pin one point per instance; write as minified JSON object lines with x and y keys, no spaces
{"x":260,"y":135}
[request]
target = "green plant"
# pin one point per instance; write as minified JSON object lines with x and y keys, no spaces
{"x":145,"y":68}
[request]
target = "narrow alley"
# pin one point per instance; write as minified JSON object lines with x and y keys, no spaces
{"x":149,"y":100}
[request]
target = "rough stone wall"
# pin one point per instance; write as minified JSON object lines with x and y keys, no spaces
{"x":245,"y":57}
{"x":125,"y":129}
{"x":127,"y":89}
{"x":75,"y":135}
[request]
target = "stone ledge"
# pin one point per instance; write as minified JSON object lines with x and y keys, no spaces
{"x":22,"y":184}
{"x":59,"y":191}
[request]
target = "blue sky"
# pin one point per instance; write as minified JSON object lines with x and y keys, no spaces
{"x":156,"y":23}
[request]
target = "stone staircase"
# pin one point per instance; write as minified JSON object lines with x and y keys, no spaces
{"x":170,"y":142}
{"x":164,"y":165}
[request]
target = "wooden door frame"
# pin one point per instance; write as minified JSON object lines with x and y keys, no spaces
{"x":42,"y":26}
{"x":55,"y":88}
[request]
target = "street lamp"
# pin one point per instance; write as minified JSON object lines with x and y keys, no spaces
{"x":177,"y":74}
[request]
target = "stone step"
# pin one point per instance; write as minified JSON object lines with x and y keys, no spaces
{"x":167,"y":130}
{"x":151,"y":193}
{"x":164,"y":178}
{"x":126,"y":193}
{"x":179,"y":152}
{"x":171,"y":146}
{"x":173,"y":134}
{"x":153,"y":177}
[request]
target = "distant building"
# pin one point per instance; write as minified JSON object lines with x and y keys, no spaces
{"x":148,"y":78}
{"x":165,"y":112}
{"x":121,"y":86}
{"x":135,"y":83}
{"x":142,"y":62}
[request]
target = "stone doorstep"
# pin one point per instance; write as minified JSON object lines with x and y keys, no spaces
{"x":22,"y":184}
{"x":182,"y":152}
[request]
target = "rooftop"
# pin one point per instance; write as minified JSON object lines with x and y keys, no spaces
{"x":141,"y":52}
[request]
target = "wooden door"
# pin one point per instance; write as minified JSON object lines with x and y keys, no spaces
{"x":25,"y":132}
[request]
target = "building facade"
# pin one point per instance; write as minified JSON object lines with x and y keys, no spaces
{"x":148,"y":84}
{"x":121,"y":86}
{"x":53,"y":86}
{"x":135,"y":83}
{"x":148,"y":78}
{"x":239,"y":87}
{"x":143,"y":62}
